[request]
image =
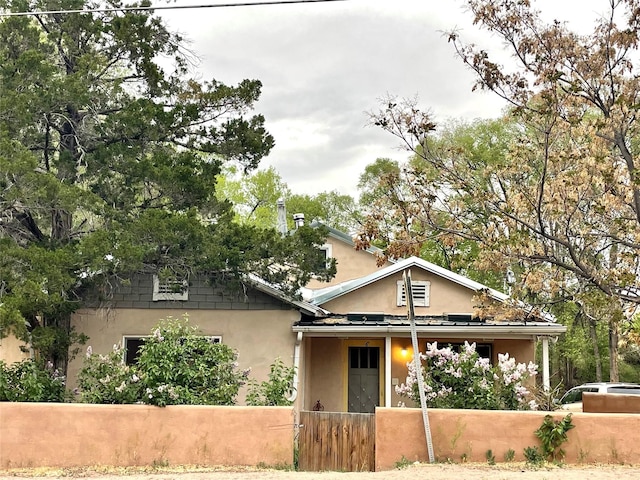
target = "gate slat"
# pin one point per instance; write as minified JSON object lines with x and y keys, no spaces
{"x":336,"y":441}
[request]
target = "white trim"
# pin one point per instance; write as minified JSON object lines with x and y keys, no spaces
{"x":163,"y":291}
{"x":421,"y":290}
{"x":387,"y":371}
{"x":328,"y":252}
{"x":545,"y":364}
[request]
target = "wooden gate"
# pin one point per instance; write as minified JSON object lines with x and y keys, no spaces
{"x":343,"y":442}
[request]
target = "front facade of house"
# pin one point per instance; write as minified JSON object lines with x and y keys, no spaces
{"x":255,"y":323}
{"x":356,"y":354}
{"x":349,"y":339}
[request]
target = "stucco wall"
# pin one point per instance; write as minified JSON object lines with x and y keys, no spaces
{"x":469,"y":434}
{"x":351,"y":263}
{"x":610,"y":403}
{"x":67,"y":435}
{"x":259,"y":336}
{"x":10,"y":350}
{"x":524,"y":351}
{"x":445,"y":297}
{"x":326,"y":368}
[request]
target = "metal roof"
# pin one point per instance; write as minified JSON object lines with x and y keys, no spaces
{"x":437,"y":325}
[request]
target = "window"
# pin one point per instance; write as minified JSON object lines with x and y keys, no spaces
{"x":483,"y":349}
{"x":170,"y":289}
{"x":326,"y":251}
{"x":132,"y":346}
{"x":322,"y":257}
{"x":132,"y":349}
{"x":420,"y":293}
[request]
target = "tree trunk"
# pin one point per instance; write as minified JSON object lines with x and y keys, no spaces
{"x":596,"y":349}
{"x":58,"y":352}
{"x":614,"y":373}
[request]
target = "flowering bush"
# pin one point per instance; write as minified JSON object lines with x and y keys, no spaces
{"x":106,"y":379}
{"x":176,"y":366}
{"x":465,"y":380}
{"x":31,"y":381}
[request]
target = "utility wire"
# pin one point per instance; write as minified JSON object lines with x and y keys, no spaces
{"x":165,"y":7}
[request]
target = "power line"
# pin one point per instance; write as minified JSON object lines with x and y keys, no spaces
{"x":166,"y":7}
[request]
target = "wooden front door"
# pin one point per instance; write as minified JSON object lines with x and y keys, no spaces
{"x":364,"y":379}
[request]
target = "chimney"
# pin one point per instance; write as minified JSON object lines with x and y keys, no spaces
{"x":281,"y":223}
{"x":298,"y":219}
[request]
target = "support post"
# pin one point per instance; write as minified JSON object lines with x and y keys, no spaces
{"x":545,"y":364}
{"x":387,"y":371}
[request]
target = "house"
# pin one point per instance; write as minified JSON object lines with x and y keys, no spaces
{"x":349,"y":339}
{"x":253,"y":318}
{"x":357,"y":353}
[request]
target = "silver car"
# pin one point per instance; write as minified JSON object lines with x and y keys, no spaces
{"x":572,"y":400}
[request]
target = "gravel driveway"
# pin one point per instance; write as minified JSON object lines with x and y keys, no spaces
{"x":511,"y":471}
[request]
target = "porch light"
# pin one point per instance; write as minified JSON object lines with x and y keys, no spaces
{"x":404,"y":352}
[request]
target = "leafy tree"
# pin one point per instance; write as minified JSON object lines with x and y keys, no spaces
{"x":388,"y":221}
{"x":255,"y":197}
{"x":108,"y":166}
{"x":585,"y":88}
{"x":563,"y":205}
{"x":333,"y":209}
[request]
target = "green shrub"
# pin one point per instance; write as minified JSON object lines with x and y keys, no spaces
{"x":176,"y":366}
{"x":553,"y":433}
{"x":533,"y":456}
{"x":403,"y":463}
{"x":274,"y":391}
{"x":509,"y":455}
{"x":31,"y":381}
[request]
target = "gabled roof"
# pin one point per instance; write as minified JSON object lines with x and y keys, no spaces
{"x":324,"y":295}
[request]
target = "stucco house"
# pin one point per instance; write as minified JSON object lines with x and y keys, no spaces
{"x":357,"y":353}
{"x":349,"y":339}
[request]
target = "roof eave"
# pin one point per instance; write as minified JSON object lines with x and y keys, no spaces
{"x":466,"y":331}
{"x":305,"y":307}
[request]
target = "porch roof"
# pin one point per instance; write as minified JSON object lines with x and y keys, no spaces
{"x":440,"y":326}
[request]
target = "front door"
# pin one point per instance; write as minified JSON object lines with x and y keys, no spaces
{"x":364,"y":379}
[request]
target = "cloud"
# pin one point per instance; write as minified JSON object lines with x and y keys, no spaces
{"x":324,"y":66}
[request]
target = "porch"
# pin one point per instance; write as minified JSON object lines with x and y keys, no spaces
{"x":355,"y":369}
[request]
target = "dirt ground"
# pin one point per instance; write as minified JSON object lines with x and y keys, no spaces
{"x":512,"y":471}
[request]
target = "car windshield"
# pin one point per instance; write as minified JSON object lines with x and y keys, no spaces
{"x":575,"y":394}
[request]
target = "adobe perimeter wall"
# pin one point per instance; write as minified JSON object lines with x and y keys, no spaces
{"x":68,"y":435}
{"x":461,"y":435}
{"x":610,"y":403}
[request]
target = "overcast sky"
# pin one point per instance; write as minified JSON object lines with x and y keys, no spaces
{"x":325,"y":65}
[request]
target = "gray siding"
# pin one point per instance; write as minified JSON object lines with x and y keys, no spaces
{"x":138,"y":293}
